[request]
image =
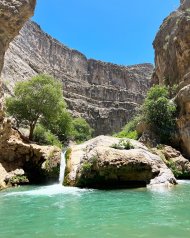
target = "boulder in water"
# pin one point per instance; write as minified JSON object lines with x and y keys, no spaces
{"x":108,"y":162}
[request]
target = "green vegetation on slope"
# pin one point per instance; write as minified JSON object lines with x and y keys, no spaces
{"x":129,"y":131}
{"x":38,"y":104}
{"x":158,"y":111}
{"x":35,"y":99}
{"x":81,"y":130}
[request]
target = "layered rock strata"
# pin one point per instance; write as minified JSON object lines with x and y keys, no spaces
{"x":105,"y":94}
{"x":107,"y":162}
{"x":172,"y":47}
{"x":172,"y":61}
{"x":13,"y":15}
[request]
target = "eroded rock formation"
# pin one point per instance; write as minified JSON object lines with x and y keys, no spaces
{"x":172,"y":60}
{"x":22,"y":162}
{"x":172,"y":47}
{"x":105,"y":94}
{"x":174,"y":160}
{"x":103,"y":163}
{"x":13,"y":15}
{"x":16,"y":155}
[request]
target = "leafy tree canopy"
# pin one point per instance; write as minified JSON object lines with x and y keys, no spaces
{"x":34,"y":100}
{"x":160,"y":112}
{"x":81,"y":130}
{"x":61,"y":126}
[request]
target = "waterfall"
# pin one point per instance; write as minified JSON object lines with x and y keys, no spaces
{"x":62,"y":168}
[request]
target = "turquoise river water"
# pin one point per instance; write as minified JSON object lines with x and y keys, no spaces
{"x":55,"y":211}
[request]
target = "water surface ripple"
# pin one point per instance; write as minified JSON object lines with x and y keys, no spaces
{"x":55,"y":211}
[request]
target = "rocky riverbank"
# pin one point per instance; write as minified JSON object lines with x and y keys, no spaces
{"x":107,"y":96}
{"x":108,"y":162}
{"x":22,"y":162}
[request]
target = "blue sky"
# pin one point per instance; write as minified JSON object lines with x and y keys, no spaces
{"x":118,"y":31}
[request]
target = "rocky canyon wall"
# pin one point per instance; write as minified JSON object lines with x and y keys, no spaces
{"x":105,"y":94}
{"x":172,"y":60}
{"x":13,"y":14}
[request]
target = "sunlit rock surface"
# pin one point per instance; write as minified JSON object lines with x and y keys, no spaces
{"x":100,"y":163}
{"x":172,"y":61}
{"x":105,"y":94}
{"x":13,"y":15}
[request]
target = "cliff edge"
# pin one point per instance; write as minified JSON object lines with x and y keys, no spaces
{"x":106,"y":95}
{"x":172,"y":65}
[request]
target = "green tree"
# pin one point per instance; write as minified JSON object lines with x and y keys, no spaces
{"x":34,"y":100}
{"x":61,"y":126}
{"x":81,"y":130}
{"x":159,"y":111}
{"x":44,"y":137}
{"x":129,"y":130}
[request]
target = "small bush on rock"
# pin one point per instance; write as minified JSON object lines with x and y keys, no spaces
{"x":19,"y":179}
{"x":86,"y":167}
{"x":123,"y":145}
{"x":68,"y":154}
{"x":45,"y":137}
{"x":129,"y":131}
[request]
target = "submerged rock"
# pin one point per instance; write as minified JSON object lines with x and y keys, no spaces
{"x":108,"y":162}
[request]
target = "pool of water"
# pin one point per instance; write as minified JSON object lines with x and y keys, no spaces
{"x":55,"y":211}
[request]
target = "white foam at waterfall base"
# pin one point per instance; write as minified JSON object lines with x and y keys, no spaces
{"x":53,"y":189}
{"x":50,"y":191}
{"x":183,"y":181}
{"x":62,"y":168}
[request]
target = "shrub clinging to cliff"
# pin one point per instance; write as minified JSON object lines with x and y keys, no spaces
{"x":159,"y":111}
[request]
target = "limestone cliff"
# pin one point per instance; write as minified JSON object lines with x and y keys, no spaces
{"x":105,"y":94}
{"x":172,"y":60}
{"x":13,"y":15}
{"x":15,"y":154}
{"x":172,"y":47}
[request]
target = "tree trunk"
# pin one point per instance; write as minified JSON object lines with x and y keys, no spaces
{"x":31,"y":132}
